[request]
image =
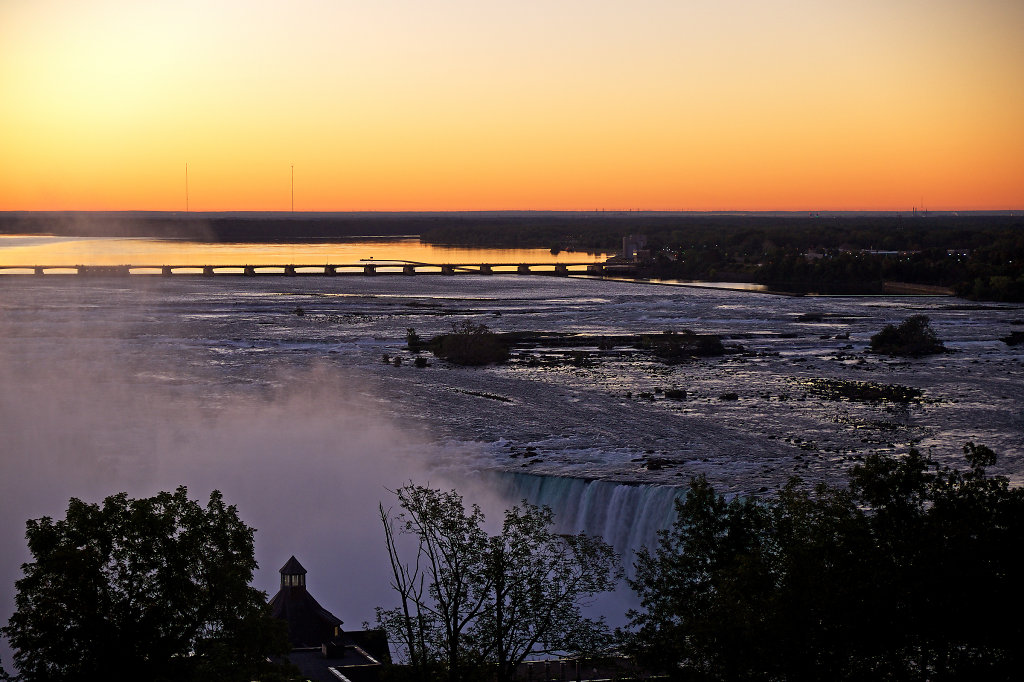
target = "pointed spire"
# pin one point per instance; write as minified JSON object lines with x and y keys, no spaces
{"x":293,"y":574}
{"x":293,"y":567}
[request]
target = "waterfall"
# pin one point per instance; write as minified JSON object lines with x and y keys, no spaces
{"x":627,"y":516}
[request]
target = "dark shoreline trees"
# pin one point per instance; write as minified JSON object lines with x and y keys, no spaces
{"x":143,"y":589}
{"x":913,"y":572}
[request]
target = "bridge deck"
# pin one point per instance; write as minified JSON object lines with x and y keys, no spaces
{"x":299,"y":269}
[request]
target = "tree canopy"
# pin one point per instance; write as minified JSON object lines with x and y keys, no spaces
{"x":143,"y":589}
{"x":913,"y":572}
{"x":470,"y":601}
{"x":914,"y":338}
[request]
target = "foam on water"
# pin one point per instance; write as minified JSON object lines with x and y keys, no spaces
{"x":628,"y":516}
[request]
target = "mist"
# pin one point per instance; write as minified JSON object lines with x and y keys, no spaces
{"x":306,"y":462}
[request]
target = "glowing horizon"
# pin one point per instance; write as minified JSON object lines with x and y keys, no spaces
{"x":460,"y":106}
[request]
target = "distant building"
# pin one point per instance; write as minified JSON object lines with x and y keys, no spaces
{"x":321,"y":649}
{"x":634,"y":247}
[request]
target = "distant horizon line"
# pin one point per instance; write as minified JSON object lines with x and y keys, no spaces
{"x":810,"y":213}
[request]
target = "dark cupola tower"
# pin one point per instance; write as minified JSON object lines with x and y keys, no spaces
{"x":293,"y":574}
{"x":309,"y":624}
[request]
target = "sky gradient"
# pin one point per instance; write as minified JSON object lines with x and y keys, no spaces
{"x":500,"y":104}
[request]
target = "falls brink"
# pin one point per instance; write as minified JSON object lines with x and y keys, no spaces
{"x":627,"y":516}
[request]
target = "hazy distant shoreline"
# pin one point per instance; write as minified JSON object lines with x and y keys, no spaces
{"x":520,"y":227}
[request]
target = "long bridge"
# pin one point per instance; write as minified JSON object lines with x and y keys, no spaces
{"x":389,"y":267}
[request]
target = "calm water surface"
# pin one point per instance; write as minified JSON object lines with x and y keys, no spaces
{"x":35,"y":250}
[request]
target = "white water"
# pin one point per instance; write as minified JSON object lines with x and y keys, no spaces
{"x":628,"y":516}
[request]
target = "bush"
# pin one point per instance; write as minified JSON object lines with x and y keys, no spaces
{"x":413,"y":341}
{"x":913,"y":338}
{"x":470,"y":344}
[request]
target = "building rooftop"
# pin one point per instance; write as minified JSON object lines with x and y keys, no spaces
{"x":320,"y":648}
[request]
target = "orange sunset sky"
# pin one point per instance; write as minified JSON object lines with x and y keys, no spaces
{"x":512,"y":104}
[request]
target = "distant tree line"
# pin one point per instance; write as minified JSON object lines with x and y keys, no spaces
{"x":979,"y":256}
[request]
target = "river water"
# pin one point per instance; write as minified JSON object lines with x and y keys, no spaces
{"x":274,"y":390}
{"x":44,"y":250}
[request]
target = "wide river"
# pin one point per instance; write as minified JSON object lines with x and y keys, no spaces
{"x":57,"y":252}
{"x":274,"y":390}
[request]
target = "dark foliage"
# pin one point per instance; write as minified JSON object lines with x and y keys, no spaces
{"x":470,"y":344}
{"x":913,"y":338}
{"x":982,"y":257}
{"x":146,"y":589}
{"x":413,"y":341}
{"x":474,"y":606}
{"x":673,"y":346}
{"x":912,"y":573}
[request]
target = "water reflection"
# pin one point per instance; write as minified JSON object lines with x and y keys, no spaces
{"x":35,"y":251}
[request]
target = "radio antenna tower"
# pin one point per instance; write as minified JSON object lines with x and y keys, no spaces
{"x":293,"y":188}
{"x":186,"y":188}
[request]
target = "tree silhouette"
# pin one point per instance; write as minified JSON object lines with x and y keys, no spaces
{"x":143,"y":589}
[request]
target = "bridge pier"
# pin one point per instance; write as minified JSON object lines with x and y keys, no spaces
{"x":38,"y":271}
{"x":447,"y":270}
{"x":330,"y":270}
{"x":409,"y":269}
{"x":485,"y":269}
{"x":249,"y":271}
{"x":523,"y":269}
{"x":289,"y":271}
{"x":369,"y":269}
{"x":208,"y":271}
{"x":166,"y":271}
{"x":561,"y":270}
